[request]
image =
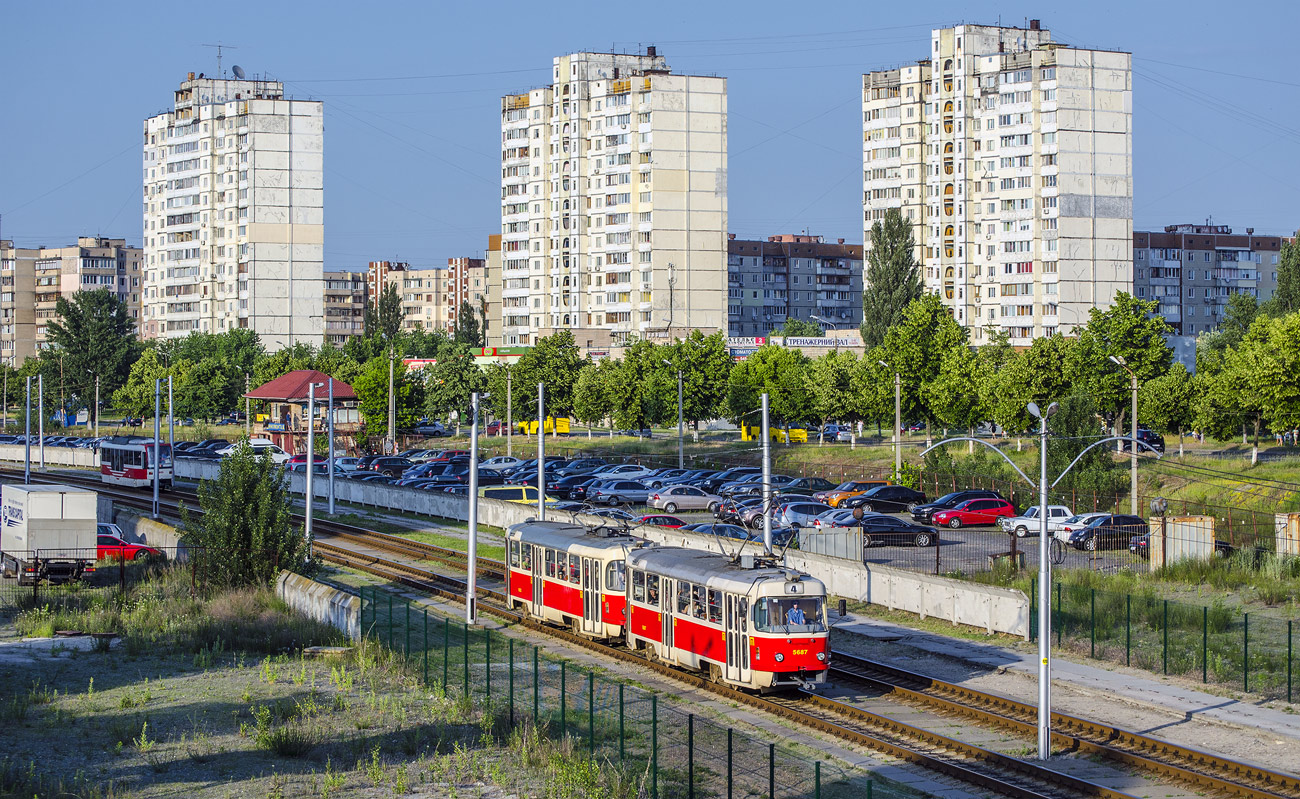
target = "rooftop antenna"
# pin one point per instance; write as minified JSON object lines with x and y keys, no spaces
{"x":220,"y":47}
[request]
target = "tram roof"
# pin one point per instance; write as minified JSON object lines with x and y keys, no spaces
{"x":709,"y":568}
{"x":561,"y":535}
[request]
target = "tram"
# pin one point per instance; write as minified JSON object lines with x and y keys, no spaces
{"x":131,"y":461}
{"x":746,"y":621}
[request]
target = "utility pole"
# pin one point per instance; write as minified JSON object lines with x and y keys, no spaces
{"x":308,"y":495}
{"x":27,"y":439}
{"x":471,"y":587}
{"x":767,"y":481}
{"x":681,"y":426}
{"x":248,"y":408}
{"x":171,"y":417}
{"x":96,"y":406}
{"x":392,"y":405}
{"x":541,"y":452}
{"x":331,"y":443}
{"x":40,"y":415}
{"x":510,"y":418}
{"x":157,"y":438}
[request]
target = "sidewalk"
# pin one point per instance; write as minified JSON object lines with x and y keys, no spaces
{"x":1114,"y":683}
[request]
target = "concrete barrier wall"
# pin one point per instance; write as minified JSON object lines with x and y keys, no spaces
{"x":992,"y":608}
{"x":54,"y":456}
{"x":324,"y":603}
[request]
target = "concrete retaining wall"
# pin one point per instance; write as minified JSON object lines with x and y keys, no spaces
{"x":54,"y":456}
{"x":321,"y":602}
{"x":992,"y":608}
{"x":143,"y":530}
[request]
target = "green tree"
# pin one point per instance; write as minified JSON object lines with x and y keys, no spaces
{"x":553,"y":360}
{"x":95,"y":337}
{"x":1037,"y":374}
{"x":783,"y":374}
{"x":136,"y":397}
{"x":799,"y":327}
{"x":592,"y":402}
{"x":468,"y":330}
{"x":450,"y":381}
{"x":1168,"y":402}
{"x":1131,"y":329}
{"x":246,"y":532}
{"x":956,"y":395}
{"x":1286,"y":296}
{"x":915,"y":348}
{"x":639,"y":387}
{"x":893,"y":278}
{"x":871,"y":390}
{"x":1271,"y":356}
{"x":371,"y":387}
{"x":831,"y":381}
{"x":201,"y":389}
{"x":706,"y":365}
{"x":383,"y":317}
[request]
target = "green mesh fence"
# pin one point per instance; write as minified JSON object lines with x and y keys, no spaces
{"x":677,"y":755}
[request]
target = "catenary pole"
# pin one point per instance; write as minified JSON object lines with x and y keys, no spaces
{"x":157,"y":438}
{"x":309,"y":494}
{"x":471,"y":595}
{"x":331,"y":443}
{"x":767,"y":480}
{"x":541,"y":451}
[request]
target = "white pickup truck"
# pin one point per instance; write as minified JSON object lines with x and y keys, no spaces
{"x":47,"y":533}
{"x":1030,"y":523}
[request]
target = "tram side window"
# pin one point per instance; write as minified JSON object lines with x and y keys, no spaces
{"x":683,"y":598}
{"x":652,"y":589}
{"x":514,"y":554}
{"x":638,"y":586}
{"x":698,"y":601}
{"x":715,"y":606}
{"x":616,"y":577}
{"x":744,"y":614}
{"x":575,"y":573}
{"x":526,"y":557}
{"x":550,"y":563}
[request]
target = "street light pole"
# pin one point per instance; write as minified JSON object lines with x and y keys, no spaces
{"x":1044,"y":591}
{"x":392,"y":405}
{"x":541,"y":452}
{"x":248,"y":407}
{"x":27,"y":439}
{"x":308,"y":494}
{"x":510,"y":419}
{"x":331,"y":443}
{"x":171,"y":417}
{"x":157,"y":438}
{"x":767,"y":481}
{"x":898,"y":421}
{"x":471,"y":595}
{"x":96,"y":406}
{"x":40,"y":416}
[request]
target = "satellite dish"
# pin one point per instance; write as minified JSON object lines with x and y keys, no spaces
{"x":238,"y":71}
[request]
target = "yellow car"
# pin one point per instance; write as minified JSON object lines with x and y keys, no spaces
{"x":851,"y":488}
{"x":524,"y":494}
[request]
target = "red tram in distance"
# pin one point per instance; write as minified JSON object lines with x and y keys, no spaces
{"x":744,"y":621}
{"x":131,"y":461}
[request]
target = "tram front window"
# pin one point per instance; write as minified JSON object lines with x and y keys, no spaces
{"x":782,"y":615}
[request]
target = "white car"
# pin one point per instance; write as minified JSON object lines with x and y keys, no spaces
{"x":500,"y":462}
{"x":1030,"y":523}
{"x":1074,"y":523}
{"x":260,"y":446}
{"x":622,"y":471}
{"x":342,"y":464}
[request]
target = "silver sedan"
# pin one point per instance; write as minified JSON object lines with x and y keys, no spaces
{"x":674,"y":498}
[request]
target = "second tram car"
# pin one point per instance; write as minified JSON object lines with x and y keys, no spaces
{"x":131,"y":461}
{"x":563,"y":574}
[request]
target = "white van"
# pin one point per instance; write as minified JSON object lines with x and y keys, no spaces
{"x":260,"y":446}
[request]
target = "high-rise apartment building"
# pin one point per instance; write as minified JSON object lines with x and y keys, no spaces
{"x":1192,"y":270}
{"x":345,"y":299}
{"x":466,"y":287}
{"x":234,"y":213}
{"x":613,"y":202}
{"x":33,"y":279}
{"x":792,"y":277}
{"x":1011,"y":156}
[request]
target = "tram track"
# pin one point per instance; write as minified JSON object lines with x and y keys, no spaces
{"x":998,"y":772}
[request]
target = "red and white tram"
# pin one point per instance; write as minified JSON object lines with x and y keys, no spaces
{"x":744,"y":621}
{"x":563,"y":574}
{"x":130,"y":461}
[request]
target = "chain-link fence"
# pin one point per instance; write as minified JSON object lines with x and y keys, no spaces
{"x":1214,"y":643}
{"x":673,"y":753}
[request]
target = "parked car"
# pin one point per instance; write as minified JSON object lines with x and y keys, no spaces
{"x":1148,"y":437}
{"x":620,"y":492}
{"x":523,"y":494}
{"x":622,"y":471}
{"x":112,"y":545}
{"x":798,"y":514}
{"x":974,"y":512}
{"x":751,"y":513}
{"x":923,"y":512}
{"x":660,"y":520}
{"x":657,"y":478}
{"x":1076,"y":522}
{"x":561,"y":486}
{"x":612,"y":513}
{"x":501,"y":462}
{"x":885,"y":499}
{"x":722,"y":530}
{"x":731,"y":510}
{"x":444,"y":455}
{"x":849,"y":488}
{"x":390,"y":465}
{"x":1111,"y":531}
{"x":714,"y":482}
{"x":581,"y":466}
{"x":580,"y":491}
{"x":432,"y":429}
{"x":692,"y":477}
{"x":879,"y":529}
{"x":1030,"y":523}
{"x":260,"y":446}
{"x":808,"y":485}
{"x":346,"y":464}
{"x":675,"y":498}
{"x":754,"y":488}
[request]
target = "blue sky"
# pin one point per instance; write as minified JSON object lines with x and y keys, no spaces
{"x":412,"y":104}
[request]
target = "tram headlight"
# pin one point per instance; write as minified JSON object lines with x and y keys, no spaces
{"x":780,"y":657}
{"x":821,"y":656}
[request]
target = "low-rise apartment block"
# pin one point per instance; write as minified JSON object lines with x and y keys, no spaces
{"x":345,"y":297}
{"x":792,"y":277}
{"x":1192,"y":270}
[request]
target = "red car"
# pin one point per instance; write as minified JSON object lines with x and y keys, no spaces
{"x":444,"y":455}
{"x":113,"y":547}
{"x":661,"y":520}
{"x":975,"y":512}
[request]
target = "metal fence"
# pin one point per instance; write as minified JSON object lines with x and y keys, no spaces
{"x":1215,"y":643}
{"x":671,"y":753}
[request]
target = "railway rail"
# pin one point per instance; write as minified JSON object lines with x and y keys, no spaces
{"x":1003,"y":774}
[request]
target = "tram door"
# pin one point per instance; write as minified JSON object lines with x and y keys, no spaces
{"x":591,"y":596}
{"x":666,"y":593}
{"x":737,"y":629}
{"x":539,"y":572}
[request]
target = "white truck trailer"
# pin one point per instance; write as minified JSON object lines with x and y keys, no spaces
{"x":47,"y":533}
